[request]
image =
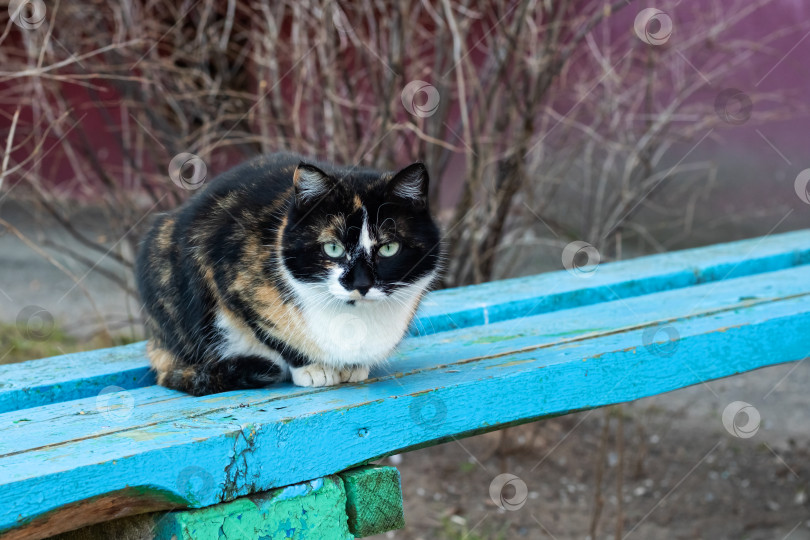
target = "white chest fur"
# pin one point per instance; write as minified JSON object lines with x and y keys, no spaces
{"x":337,"y":333}
{"x":364,"y":332}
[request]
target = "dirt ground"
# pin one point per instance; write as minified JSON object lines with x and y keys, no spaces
{"x":684,"y":475}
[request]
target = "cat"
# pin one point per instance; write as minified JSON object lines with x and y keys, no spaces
{"x":285,"y":268}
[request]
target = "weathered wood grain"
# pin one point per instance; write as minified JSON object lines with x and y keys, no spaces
{"x":352,"y":504}
{"x":373,"y":500}
{"x":233,"y":437}
{"x":110,"y":506}
{"x":314,"y":510}
{"x":70,"y":377}
{"x":502,"y":300}
{"x":479,"y":358}
{"x":143,"y":407}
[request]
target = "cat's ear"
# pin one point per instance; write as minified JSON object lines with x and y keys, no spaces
{"x":310,"y":183}
{"x":410,"y":184}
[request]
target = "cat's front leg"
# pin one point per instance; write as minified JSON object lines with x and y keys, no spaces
{"x":315,"y":375}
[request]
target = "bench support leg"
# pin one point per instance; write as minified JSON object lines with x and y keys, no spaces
{"x":373,"y":500}
{"x":352,"y":504}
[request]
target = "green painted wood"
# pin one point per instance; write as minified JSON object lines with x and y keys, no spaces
{"x":314,"y":510}
{"x":373,"y":500}
{"x":69,"y":377}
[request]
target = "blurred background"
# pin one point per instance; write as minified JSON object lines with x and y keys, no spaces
{"x":635,"y":127}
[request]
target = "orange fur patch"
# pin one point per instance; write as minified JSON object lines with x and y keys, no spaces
{"x":161,"y":360}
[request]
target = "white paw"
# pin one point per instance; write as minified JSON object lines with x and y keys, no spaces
{"x":354,"y":374}
{"x":315,"y":375}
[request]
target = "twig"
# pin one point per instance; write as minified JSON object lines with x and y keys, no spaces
{"x":9,"y":139}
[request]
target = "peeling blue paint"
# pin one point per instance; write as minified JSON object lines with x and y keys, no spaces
{"x":59,"y":448}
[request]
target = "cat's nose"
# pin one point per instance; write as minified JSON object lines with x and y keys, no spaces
{"x":361,"y":279}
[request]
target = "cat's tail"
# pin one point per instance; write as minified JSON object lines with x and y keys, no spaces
{"x":220,"y":375}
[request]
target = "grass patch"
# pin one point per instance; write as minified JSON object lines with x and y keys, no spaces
{"x":15,"y":346}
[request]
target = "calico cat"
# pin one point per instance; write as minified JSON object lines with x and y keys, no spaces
{"x":285,"y":269}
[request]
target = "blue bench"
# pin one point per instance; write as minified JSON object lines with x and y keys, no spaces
{"x":89,"y":438}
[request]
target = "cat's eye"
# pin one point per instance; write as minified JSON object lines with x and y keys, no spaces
{"x":389,"y":250}
{"x":334,"y":249}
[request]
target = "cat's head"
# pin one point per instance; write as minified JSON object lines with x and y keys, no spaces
{"x":361,"y":235}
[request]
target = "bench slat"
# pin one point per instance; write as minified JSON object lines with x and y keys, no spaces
{"x":75,"y":376}
{"x":520,"y":297}
{"x":91,"y":417}
{"x":251,"y":448}
{"x":72,"y":376}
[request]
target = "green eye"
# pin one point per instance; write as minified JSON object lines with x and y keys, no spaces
{"x":389,"y":250}
{"x":334,"y":250}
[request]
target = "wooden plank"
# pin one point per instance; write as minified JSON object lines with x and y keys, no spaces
{"x":368,"y":421}
{"x":72,"y":376}
{"x":314,"y":510}
{"x":373,"y":500}
{"x":144,"y":407}
{"x":75,"y":376}
{"x":502,"y":300}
